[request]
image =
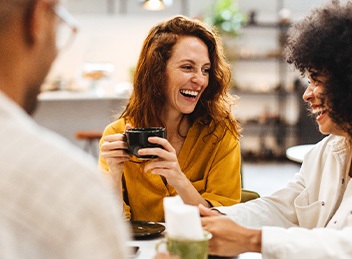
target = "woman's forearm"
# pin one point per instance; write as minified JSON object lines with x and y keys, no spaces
{"x":117,"y":183}
{"x":190,"y":195}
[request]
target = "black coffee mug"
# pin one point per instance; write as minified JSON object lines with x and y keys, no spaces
{"x":137,"y":138}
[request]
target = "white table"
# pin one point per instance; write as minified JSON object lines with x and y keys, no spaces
{"x":147,"y":250}
{"x":297,"y":153}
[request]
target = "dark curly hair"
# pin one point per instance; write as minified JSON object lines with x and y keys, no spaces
{"x":323,"y":41}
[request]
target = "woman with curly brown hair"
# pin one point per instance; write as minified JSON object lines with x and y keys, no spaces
{"x":312,"y":216}
{"x":181,"y":83}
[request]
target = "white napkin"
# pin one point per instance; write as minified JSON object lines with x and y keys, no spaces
{"x":182,"y":221}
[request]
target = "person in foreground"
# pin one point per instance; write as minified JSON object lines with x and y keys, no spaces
{"x":54,"y":203}
{"x":312,"y":216}
{"x":181,"y":83}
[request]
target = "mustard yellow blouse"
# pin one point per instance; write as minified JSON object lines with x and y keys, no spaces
{"x":212,"y":166}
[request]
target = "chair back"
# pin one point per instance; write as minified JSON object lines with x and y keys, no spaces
{"x":247,"y":195}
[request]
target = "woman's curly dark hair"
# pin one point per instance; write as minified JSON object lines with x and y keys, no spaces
{"x":323,"y":41}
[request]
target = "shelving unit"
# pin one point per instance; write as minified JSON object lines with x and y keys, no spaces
{"x":267,"y":132}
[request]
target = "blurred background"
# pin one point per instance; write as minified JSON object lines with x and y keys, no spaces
{"x":90,"y":82}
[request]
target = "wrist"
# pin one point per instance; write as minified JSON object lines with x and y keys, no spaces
{"x":255,"y":240}
{"x":182,"y":183}
{"x":116,"y":176}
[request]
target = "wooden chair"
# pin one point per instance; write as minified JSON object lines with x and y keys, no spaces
{"x":91,"y":139}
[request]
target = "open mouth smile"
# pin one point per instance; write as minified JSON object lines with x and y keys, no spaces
{"x":318,"y":111}
{"x":189,"y":93}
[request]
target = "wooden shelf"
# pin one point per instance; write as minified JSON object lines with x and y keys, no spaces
{"x":271,"y":131}
{"x":269,"y":127}
{"x":268,"y":25}
{"x":239,"y":92}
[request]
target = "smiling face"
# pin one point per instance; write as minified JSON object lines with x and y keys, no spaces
{"x":316,"y":98}
{"x":187,"y":73}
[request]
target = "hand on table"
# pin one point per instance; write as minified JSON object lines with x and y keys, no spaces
{"x":229,"y":238}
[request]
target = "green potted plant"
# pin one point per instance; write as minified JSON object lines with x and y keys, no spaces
{"x":226,"y":17}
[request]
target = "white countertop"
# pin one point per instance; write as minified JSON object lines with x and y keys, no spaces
{"x":78,"y":95}
{"x":118,"y":91}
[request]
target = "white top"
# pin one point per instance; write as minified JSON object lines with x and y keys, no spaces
{"x":312,"y":216}
{"x":54,"y":204}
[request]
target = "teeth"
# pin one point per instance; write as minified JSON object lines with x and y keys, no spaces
{"x":189,"y":93}
{"x":318,"y":110}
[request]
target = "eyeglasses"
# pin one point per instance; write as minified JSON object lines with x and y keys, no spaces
{"x":67,"y":27}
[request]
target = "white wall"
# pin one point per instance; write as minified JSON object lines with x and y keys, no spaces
{"x":102,"y":38}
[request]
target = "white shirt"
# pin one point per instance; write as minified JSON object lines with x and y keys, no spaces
{"x":53,"y":201}
{"x":312,"y":216}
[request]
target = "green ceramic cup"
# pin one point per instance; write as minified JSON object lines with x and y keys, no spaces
{"x":185,"y":248}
